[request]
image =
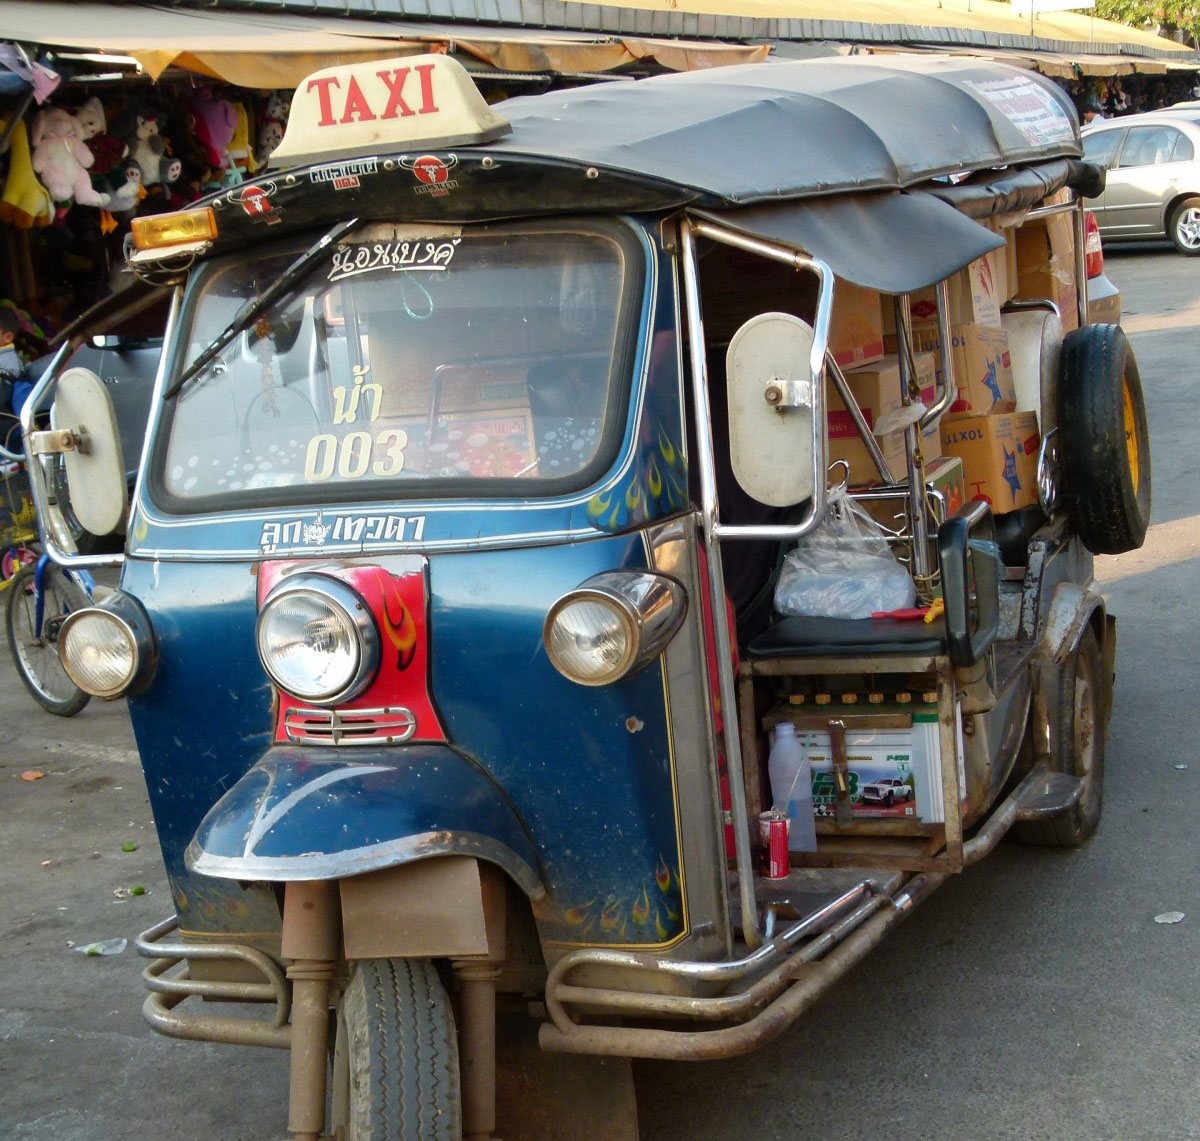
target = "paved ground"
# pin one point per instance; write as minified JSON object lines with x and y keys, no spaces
{"x":1033,"y":997}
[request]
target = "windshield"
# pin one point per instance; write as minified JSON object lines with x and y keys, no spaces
{"x":450,"y":362}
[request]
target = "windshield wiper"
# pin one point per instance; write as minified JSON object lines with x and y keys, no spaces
{"x":282,"y":287}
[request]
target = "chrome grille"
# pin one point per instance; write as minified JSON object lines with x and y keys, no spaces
{"x":389,"y":726}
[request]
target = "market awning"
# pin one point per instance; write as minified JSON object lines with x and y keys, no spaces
{"x":277,"y":49}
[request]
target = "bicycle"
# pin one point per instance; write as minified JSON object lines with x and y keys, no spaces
{"x":39,"y":594}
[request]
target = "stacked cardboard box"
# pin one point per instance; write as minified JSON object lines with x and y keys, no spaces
{"x":876,"y":387}
{"x":1046,"y":265}
{"x":999,"y":456}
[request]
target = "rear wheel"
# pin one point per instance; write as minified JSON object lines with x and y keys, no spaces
{"x":396,"y":1056}
{"x":1082,"y":728}
{"x":34,"y":652}
{"x":1105,"y":441}
{"x":1184,"y":227}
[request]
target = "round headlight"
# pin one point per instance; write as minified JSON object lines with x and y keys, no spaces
{"x":590,"y":638}
{"x":612,"y":625}
{"x":317,"y":640}
{"x":99,"y":651}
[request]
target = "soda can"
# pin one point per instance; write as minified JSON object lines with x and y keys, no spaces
{"x":773,"y":833}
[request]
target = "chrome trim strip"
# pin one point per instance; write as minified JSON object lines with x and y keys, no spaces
{"x":391,"y":725}
{"x":373,"y":857}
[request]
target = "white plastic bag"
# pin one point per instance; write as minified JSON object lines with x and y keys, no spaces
{"x":843,"y":569}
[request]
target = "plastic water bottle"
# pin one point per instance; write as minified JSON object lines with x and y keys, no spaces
{"x":790,"y":773}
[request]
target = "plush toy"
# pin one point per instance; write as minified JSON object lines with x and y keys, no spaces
{"x":126,"y":182}
{"x":25,"y":202}
{"x":271,"y":125}
{"x":216,"y":121}
{"x":107,"y":150}
{"x":62,"y":159}
{"x":139,"y":130}
{"x":241,"y":153}
{"x":164,"y":195}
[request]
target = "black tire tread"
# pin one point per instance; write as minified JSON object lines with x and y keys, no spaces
{"x":77,"y":599}
{"x":1108,"y":515}
{"x":1179,"y":209}
{"x":403,"y":1053}
{"x":1072,"y":828}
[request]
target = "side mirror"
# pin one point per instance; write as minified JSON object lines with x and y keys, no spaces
{"x":86,"y":424}
{"x":770,"y":382}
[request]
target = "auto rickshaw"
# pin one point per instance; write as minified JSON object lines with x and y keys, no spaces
{"x":445,"y":611}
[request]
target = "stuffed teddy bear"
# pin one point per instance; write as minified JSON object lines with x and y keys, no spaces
{"x":25,"y":202}
{"x":62,"y":159}
{"x":107,"y":150}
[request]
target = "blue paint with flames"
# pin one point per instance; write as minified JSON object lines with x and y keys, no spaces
{"x":588,"y":771}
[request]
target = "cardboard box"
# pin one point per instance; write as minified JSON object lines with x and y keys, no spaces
{"x":876,"y":387}
{"x":1046,"y":265}
{"x":999,"y":456}
{"x":975,"y":294}
{"x":856,"y":325}
{"x":982,"y":367}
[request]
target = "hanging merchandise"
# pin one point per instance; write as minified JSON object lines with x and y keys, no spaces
{"x":216,"y":122}
{"x":107,"y":150}
{"x":241,"y":151}
{"x":138,"y":127}
{"x":25,"y":202}
{"x":271,"y":126}
{"x":62,"y":159}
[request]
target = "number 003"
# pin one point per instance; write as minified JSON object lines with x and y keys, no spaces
{"x":355,"y":454}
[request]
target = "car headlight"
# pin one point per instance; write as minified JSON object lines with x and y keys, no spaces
{"x":612,"y":624}
{"x":109,"y":650}
{"x":317,"y":640}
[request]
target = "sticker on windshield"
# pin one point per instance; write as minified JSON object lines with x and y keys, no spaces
{"x":344,"y":175}
{"x":1030,"y":108}
{"x":433,"y":174}
{"x":351,"y":260}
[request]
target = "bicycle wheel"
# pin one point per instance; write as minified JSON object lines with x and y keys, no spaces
{"x":36,"y":657}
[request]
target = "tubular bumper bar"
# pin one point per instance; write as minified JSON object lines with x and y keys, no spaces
{"x":167,"y":991}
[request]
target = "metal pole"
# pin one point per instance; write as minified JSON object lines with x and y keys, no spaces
{"x":917,"y":519}
{"x":716,"y":588}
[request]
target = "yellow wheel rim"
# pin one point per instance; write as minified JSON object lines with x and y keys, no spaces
{"x":1131,"y":438}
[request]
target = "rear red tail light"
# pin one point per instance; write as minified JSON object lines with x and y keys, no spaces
{"x":1093,"y":253}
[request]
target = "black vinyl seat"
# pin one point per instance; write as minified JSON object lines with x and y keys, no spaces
{"x":808,"y":637}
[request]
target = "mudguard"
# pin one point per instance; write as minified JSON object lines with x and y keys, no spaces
{"x":297,"y":815}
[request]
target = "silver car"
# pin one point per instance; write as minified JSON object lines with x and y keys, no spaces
{"x":1153,"y":188}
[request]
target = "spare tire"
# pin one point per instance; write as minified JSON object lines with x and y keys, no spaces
{"x":1104,"y":441}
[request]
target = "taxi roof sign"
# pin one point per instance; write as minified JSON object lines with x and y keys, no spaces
{"x":416,"y":101}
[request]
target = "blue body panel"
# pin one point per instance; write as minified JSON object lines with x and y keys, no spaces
{"x":575,"y":783}
{"x":321,"y":814}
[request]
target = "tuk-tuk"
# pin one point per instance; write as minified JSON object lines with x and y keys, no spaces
{"x":445,"y":614}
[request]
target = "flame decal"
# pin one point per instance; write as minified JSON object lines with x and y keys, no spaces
{"x":399,"y":626}
{"x":662,"y":876}
{"x":611,"y":915}
{"x":641,"y":909}
{"x":575,"y":916}
{"x":663,"y":933}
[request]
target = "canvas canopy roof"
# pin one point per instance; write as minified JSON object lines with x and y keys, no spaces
{"x":822,"y":150}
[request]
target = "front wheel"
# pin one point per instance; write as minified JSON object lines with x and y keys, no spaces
{"x":1082,"y":727}
{"x":395,"y":1064}
{"x":35,"y":652}
{"x":1184,"y":229}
